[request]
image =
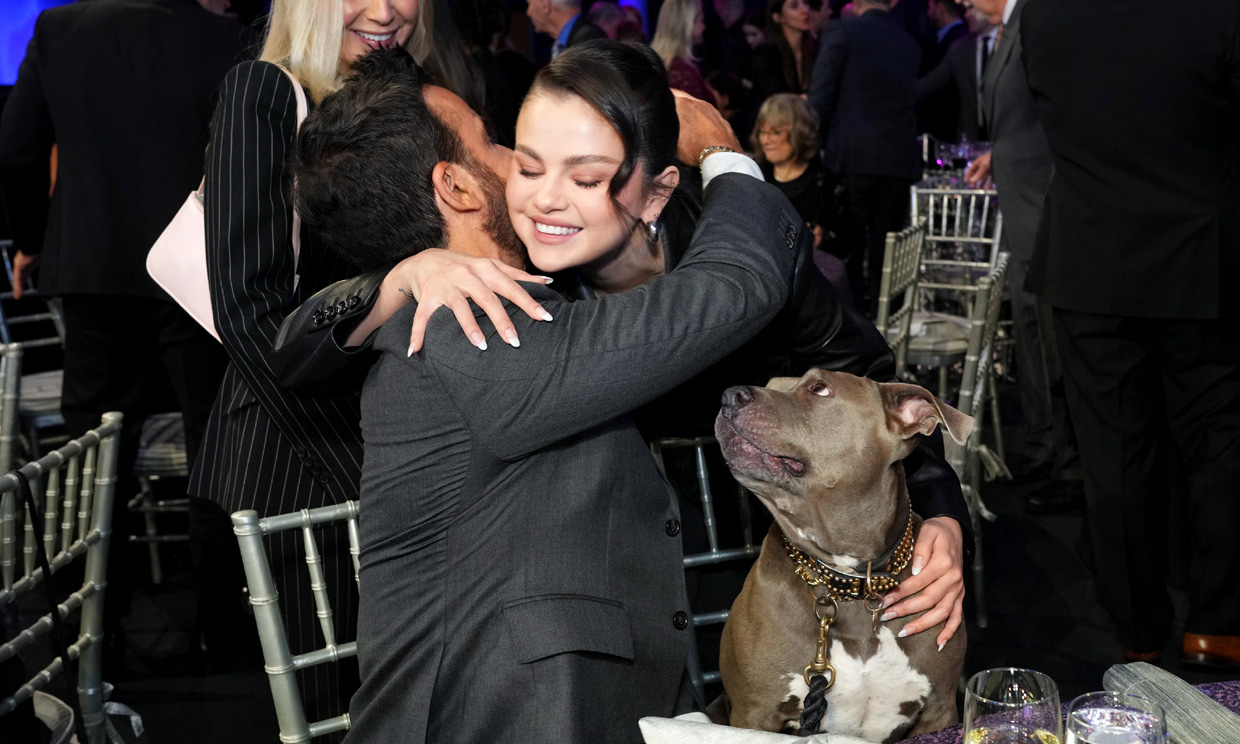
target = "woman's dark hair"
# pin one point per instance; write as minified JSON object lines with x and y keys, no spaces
{"x":798,"y":80}
{"x":627,"y":84}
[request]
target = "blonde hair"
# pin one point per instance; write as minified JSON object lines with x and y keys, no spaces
{"x":673,"y":38}
{"x":304,"y":37}
{"x":789,"y":110}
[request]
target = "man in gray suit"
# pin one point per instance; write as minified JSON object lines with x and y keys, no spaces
{"x":521,"y":576}
{"x":1022,"y":169}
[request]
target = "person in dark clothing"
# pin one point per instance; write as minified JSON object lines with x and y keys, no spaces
{"x":863,"y":92}
{"x":1137,"y":253}
{"x":125,"y":90}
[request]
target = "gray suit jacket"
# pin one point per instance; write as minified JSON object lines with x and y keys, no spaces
{"x":1021,"y":161}
{"x":521,"y":575}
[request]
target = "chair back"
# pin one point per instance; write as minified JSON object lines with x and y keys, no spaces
{"x":983,"y":324}
{"x":73,"y":488}
{"x":279,"y":661}
{"x":964,"y":227}
{"x":901,"y":261}
{"x":46,"y":311}
{"x":715,"y":555}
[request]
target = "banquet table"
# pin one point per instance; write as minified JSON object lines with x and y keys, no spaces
{"x":1226,"y":694}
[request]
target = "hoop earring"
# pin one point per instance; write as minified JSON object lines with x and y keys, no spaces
{"x":652,"y":230}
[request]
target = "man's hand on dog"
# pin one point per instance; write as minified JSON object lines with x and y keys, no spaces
{"x":937,"y":583}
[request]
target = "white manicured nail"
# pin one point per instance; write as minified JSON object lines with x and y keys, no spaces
{"x":941,"y":645}
{"x":544,"y":314}
{"x":513,"y":341}
{"x":887,"y":616}
{"x":479,"y":341}
{"x":916,"y":568}
{"x":410,"y":352}
{"x":547,"y":280}
{"x":903,"y":633}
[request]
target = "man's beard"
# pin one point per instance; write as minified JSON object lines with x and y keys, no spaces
{"x":498,"y":224}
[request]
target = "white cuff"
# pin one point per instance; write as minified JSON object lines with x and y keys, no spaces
{"x":717,"y":163}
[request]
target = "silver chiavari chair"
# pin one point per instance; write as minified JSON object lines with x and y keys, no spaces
{"x":976,"y":390}
{"x":279,"y":661}
{"x":715,"y":555}
{"x":161,"y":454}
{"x":74,"y":488}
{"x":897,"y":296}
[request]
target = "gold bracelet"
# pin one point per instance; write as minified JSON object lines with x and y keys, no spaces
{"x":709,"y":150}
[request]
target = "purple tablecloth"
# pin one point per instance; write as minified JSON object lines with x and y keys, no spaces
{"x":1226,"y":694}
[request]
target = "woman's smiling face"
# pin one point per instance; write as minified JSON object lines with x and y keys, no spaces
{"x":559,"y":195}
{"x":375,"y":24}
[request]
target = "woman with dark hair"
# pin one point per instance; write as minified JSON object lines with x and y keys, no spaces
{"x":782,"y":51}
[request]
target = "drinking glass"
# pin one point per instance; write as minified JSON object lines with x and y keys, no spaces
{"x":1011,"y":706}
{"x":1115,"y":718}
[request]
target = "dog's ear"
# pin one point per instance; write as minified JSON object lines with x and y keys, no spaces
{"x":917,"y":411}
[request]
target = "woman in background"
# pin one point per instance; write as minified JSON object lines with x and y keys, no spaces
{"x":786,"y":148}
{"x":681,"y":26}
{"x":266,"y":448}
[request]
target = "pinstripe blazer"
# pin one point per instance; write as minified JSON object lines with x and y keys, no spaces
{"x":266,"y":448}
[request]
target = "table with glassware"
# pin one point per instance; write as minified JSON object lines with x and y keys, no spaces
{"x":1019,"y":706}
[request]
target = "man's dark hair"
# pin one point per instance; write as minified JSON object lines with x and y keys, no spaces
{"x":363,"y":163}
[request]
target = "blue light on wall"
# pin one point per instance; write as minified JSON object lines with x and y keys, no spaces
{"x":17,"y":19}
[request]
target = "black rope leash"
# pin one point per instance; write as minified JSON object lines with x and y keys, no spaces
{"x":815,"y":707}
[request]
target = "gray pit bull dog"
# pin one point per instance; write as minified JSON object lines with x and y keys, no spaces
{"x":823,"y":454}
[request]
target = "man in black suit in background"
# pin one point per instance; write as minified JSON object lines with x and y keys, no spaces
{"x":1137,"y":253}
{"x":562,"y":20}
{"x":125,"y":88}
{"x":1022,"y":170}
{"x":949,"y":96}
{"x":862,"y":89}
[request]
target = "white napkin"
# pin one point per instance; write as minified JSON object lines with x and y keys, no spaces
{"x":696,"y":728}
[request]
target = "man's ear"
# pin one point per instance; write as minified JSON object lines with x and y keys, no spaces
{"x":916,"y":411}
{"x":456,"y":187}
{"x":665,"y":183}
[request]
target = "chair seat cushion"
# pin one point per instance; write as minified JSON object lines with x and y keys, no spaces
{"x":40,"y":392}
{"x":937,"y":338}
{"x":161,"y":447}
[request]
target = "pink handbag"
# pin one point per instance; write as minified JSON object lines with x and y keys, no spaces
{"x":178,"y":260}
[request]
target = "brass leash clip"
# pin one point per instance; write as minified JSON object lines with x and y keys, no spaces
{"x":820,"y":665}
{"x":873,"y":601}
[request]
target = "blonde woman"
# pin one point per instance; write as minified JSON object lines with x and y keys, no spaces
{"x":681,"y":26}
{"x":267,"y":448}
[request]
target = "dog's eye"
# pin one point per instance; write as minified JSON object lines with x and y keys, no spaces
{"x":820,"y":388}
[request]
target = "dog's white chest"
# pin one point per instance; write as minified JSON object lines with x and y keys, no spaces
{"x":871,"y":697}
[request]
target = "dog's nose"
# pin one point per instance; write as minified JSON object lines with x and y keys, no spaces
{"x":737,"y":396}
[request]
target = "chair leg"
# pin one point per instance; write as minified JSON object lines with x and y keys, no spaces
{"x":146,"y":498}
{"x":943,"y":382}
{"x":693,"y":665}
{"x":992,"y":391}
{"x":979,"y":571}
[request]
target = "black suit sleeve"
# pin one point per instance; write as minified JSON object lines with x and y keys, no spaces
{"x":825,"y":81}
{"x":26,"y":139}
{"x":936,"y":80}
{"x":310,"y":354}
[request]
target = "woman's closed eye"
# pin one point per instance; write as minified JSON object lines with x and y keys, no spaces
{"x":587,"y":184}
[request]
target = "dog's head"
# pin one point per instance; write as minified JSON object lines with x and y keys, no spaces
{"x":815,"y":449}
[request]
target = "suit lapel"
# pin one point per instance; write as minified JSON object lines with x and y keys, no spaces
{"x":999,"y":60}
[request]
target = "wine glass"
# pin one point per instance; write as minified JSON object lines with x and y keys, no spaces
{"x":1011,"y":706}
{"x":1115,"y":718}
